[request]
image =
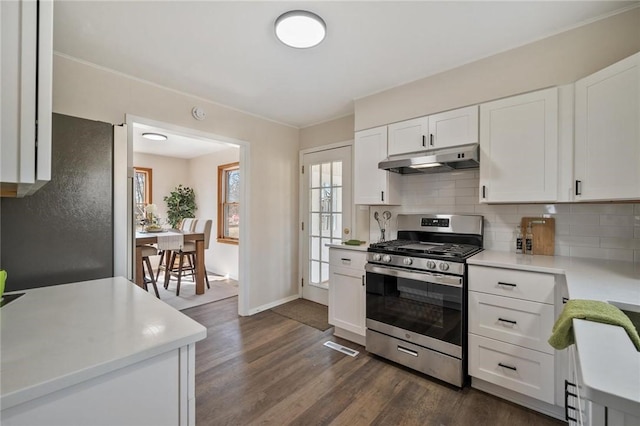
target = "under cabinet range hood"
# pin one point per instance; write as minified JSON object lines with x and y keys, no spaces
{"x":434,"y":160}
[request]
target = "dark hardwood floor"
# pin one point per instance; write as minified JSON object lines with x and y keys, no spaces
{"x":269,"y":369}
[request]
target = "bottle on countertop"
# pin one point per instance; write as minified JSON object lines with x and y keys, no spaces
{"x":528,"y":240}
{"x":518,"y":239}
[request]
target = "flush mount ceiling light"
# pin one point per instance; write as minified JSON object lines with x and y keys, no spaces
{"x":154,"y":136}
{"x":300,"y":29}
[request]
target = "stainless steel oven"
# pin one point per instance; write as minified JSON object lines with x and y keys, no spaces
{"x":416,"y":304}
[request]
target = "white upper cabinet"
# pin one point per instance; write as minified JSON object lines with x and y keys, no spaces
{"x":607,"y":133}
{"x":408,"y":136}
{"x":371,"y":185}
{"x":451,"y":128}
{"x":26,"y":73}
{"x":519,"y":148}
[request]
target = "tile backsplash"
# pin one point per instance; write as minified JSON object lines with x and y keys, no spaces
{"x":608,"y":230}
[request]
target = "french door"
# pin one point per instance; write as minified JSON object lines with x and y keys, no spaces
{"x":326,"y":205}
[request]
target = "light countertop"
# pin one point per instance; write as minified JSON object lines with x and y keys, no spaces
{"x":608,"y":361}
{"x":55,"y":337}
{"x":361,"y":247}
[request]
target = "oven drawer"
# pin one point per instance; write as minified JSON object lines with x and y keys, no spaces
{"x":534,"y":286}
{"x":348,"y":258}
{"x":432,"y":363}
{"x":516,"y":321}
{"x":522,"y":370}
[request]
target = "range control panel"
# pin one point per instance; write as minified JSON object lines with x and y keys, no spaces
{"x":435,"y":222}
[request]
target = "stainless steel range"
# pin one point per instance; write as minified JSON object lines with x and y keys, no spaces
{"x":417,"y":294}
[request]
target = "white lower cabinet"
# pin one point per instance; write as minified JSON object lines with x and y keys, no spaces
{"x":511,"y":314}
{"x":155,"y":391}
{"x":513,"y":367}
{"x":347,"y":293}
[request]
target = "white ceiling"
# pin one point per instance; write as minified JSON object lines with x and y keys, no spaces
{"x":176,"y":145}
{"x":227,"y":51}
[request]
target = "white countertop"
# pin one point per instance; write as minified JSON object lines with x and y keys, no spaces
{"x":58,"y":336}
{"x":361,"y":247}
{"x":609,"y":362}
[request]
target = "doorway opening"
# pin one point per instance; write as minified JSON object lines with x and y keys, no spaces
{"x":188,"y":158}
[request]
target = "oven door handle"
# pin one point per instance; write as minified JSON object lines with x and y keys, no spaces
{"x":448,"y":280}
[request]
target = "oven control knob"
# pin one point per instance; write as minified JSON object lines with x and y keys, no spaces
{"x":407,"y":261}
{"x":377,"y":257}
{"x":386,"y":258}
{"x":431,"y":264}
{"x":444,"y":266}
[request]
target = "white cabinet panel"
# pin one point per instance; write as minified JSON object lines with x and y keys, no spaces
{"x":519,"y":148}
{"x":520,"y":322}
{"x":372,"y":186}
{"x":534,"y":286}
{"x":453,"y":128}
{"x":443,"y":130}
{"x":522,"y":370}
{"x":347,"y":290}
{"x":408,"y":136}
{"x":607,"y":133}
{"x":145,"y":393}
{"x":26,"y":70}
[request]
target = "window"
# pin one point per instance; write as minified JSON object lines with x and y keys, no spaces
{"x":229,"y":203}
{"x":142,"y":190}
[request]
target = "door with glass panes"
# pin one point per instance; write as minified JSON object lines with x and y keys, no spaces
{"x":325,"y":215}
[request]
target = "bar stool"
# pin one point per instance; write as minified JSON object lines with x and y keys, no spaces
{"x":146,"y":252}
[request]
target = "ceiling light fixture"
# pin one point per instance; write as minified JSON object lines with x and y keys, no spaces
{"x":154,"y":136}
{"x":300,"y":29}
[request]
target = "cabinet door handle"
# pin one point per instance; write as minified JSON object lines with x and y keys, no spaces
{"x":508,"y":321}
{"x":344,"y":259}
{"x":407,"y":351}
{"x":484,"y":191}
{"x":507,"y":284}
{"x":424,"y":141}
{"x":431,"y":139}
{"x":510,"y":367}
{"x":382,"y":196}
{"x":363,"y":280}
{"x":578,"y":187}
{"x":565,"y":300}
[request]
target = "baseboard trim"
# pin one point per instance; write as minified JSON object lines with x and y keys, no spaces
{"x":266,"y":306}
{"x":350,"y":336}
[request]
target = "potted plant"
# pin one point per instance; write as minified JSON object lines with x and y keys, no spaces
{"x":181,"y":203}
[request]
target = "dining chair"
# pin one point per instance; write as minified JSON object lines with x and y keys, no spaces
{"x":186,"y":224}
{"x":146,"y":252}
{"x":188,"y":253}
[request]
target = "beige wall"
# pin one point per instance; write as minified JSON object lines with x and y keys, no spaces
{"x":82,"y":90}
{"x":338,"y":130}
{"x":560,"y":59}
{"x":167,"y":173}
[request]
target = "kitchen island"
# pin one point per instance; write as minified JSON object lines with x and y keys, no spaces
{"x":96,"y":352}
{"x":608,"y":362}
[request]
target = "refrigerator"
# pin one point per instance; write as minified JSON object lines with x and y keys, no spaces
{"x":64,"y":232}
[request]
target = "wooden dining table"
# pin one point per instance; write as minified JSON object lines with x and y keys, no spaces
{"x":144,"y":238}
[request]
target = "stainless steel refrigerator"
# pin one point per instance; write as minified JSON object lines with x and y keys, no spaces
{"x":64,"y":232}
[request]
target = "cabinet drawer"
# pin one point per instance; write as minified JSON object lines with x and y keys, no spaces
{"x":533,"y":286}
{"x":522,"y":370}
{"x":520,"y":322}
{"x":347,"y":258}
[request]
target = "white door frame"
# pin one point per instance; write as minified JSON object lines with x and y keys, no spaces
{"x":244,"y":272}
{"x":301,"y":208}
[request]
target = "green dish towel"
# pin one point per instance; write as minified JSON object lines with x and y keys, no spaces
{"x":590,"y":310}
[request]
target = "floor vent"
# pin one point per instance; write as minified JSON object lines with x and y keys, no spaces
{"x":340,"y":348}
